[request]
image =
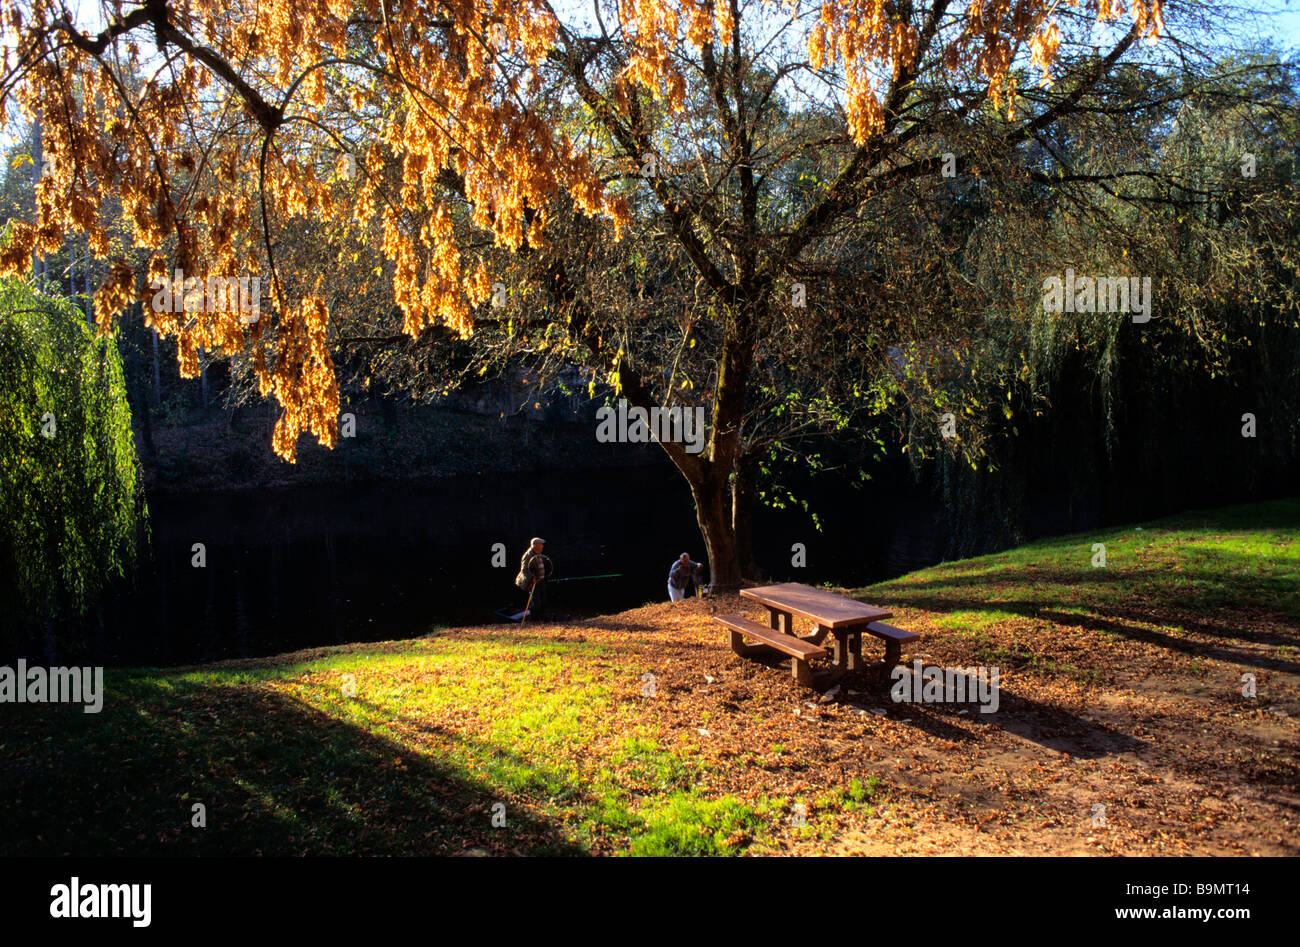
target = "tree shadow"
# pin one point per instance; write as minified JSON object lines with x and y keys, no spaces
{"x":1223,"y":582}
{"x":546,"y":777}
{"x":275,"y":776}
{"x":1047,"y":725}
{"x":1121,"y":622}
{"x":621,"y":627}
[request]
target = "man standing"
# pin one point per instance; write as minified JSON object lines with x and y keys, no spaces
{"x":534,"y":569}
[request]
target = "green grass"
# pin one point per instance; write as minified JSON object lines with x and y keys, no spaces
{"x":361,"y":750}
{"x":687,"y":824}
{"x":1190,"y":563}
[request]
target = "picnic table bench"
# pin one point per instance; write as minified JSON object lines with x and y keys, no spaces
{"x":843,"y":619}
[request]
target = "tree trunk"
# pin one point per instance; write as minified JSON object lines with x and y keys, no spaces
{"x":726,"y":534}
{"x":723,"y":502}
{"x":713,"y":513}
{"x":723,"y":507}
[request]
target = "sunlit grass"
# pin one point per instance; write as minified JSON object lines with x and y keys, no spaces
{"x":1248,"y":554}
{"x":433,"y":736}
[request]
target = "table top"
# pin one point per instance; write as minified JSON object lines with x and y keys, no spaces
{"x":825,"y":608}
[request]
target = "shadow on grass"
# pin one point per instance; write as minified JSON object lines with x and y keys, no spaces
{"x":1121,"y":622}
{"x":533,"y":775}
{"x":621,"y":627}
{"x":1218,"y":585}
{"x":276,"y":776}
{"x":1047,"y":725}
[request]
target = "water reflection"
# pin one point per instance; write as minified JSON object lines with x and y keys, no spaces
{"x":314,"y":566}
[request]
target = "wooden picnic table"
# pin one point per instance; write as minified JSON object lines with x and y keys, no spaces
{"x":844,"y":619}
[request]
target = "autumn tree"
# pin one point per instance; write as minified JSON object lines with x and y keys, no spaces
{"x":743,"y":206}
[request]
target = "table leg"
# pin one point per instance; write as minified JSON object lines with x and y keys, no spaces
{"x":818,"y":636}
{"x":748,"y":650}
{"x":801,"y":672}
{"x":842,"y":651}
{"x":855,"y":649}
{"x":780,"y":621}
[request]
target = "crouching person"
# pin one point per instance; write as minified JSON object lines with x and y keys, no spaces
{"x":683,"y":578}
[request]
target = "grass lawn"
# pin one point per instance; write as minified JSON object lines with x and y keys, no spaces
{"x":1122,"y":727}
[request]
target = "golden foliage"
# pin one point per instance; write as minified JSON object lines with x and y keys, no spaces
{"x":256,"y":114}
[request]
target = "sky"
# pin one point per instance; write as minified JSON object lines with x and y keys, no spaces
{"x":1286,"y":12}
{"x":1281,"y":21}
{"x":1284,"y":20}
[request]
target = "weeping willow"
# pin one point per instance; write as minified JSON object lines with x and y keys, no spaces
{"x":70,"y":492}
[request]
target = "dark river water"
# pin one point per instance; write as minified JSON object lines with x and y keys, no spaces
{"x":305,"y":567}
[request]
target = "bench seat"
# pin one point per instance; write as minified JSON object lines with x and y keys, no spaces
{"x":795,"y":647}
{"x":800,"y":651}
{"x":890,"y":633}
{"x":894,"y":639}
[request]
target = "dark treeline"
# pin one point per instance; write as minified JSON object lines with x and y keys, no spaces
{"x":1167,"y":441}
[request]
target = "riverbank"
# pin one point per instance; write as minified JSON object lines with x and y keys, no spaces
{"x":231,"y":450}
{"x":1122,"y":727}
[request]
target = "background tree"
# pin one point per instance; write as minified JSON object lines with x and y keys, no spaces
{"x":71,"y":503}
{"x":1119,"y":420}
{"x":738,"y":148}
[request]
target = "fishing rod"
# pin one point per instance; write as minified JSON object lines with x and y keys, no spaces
{"x":576,"y":578}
